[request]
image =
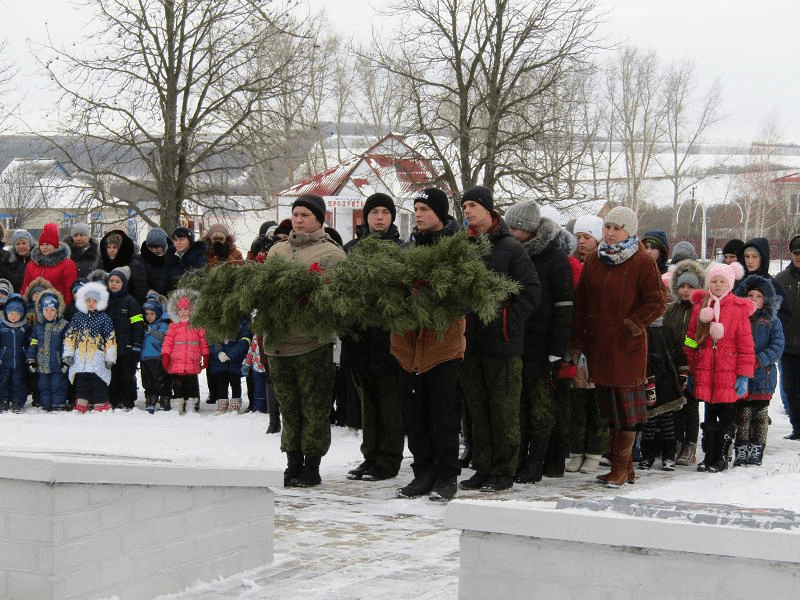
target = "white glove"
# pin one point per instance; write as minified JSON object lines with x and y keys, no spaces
{"x":223,"y":358}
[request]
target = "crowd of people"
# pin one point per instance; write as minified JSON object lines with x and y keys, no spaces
{"x":605,"y":353}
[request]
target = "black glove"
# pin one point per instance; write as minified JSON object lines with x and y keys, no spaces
{"x":31,"y":366}
{"x":684,"y":380}
{"x":109,"y":365}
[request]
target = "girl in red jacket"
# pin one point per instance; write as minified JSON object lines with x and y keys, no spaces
{"x":719,"y":347}
{"x":184,"y":352}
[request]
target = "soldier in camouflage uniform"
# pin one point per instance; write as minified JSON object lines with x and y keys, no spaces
{"x":302,"y":368}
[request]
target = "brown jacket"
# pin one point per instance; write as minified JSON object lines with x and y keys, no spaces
{"x":419,"y":350}
{"x":613,"y":306}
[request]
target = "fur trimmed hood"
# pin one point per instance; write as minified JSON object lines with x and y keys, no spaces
{"x":59,"y":311}
{"x":772,"y":301}
{"x":38,"y":282}
{"x":686,"y":266}
{"x":172,"y":300}
{"x":92,"y":286}
{"x":58,"y":255}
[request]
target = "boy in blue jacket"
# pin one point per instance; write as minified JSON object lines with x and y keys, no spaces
{"x":15,"y":335}
{"x":154,"y":377}
{"x":45,"y":351}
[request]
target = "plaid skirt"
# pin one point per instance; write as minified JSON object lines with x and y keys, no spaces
{"x":625,"y":407}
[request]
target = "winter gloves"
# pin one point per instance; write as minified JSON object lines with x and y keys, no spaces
{"x":66,"y":363}
{"x":741,"y":385}
{"x":223,"y":358}
{"x":31,"y":366}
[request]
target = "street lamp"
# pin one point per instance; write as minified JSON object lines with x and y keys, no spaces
{"x":702,"y":206}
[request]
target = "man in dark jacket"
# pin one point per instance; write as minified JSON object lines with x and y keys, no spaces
{"x":754,"y":257}
{"x":184,"y":255}
{"x":153,"y":254}
{"x":84,"y":249}
{"x":788,"y":283}
{"x":372,"y":368}
{"x":491,"y":374}
{"x":547,"y":331}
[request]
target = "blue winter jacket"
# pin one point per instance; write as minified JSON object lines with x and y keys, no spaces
{"x":14,"y":340}
{"x":767,"y":336}
{"x":236,"y":349}
{"x":153,"y":338}
{"x":47,"y":343}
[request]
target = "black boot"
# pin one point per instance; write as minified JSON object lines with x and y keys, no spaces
{"x":647,"y":448}
{"x":668,"y":455}
{"x":533,"y":466}
{"x":150,"y":402}
{"x":725,"y":441}
{"x":165,"y":403}
{"x":309,"y":476}
{"x":421,"y":485}
{"x":709,"y":444}
{"x":294,"y":464}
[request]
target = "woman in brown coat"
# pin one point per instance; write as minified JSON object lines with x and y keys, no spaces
{"x":618,"y":295}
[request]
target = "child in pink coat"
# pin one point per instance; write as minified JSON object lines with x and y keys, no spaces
{"x":719,"y":347}
{"x":184,"y":352}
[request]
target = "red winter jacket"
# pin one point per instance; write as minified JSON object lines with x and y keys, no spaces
{"x":185,"y":349}
{"x":56,"y":267}
{"x":715,"y":366}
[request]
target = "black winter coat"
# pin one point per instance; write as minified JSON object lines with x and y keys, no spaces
{"x":548,"y":330}
{"x":505,"y":336}
{"x":126,"y":257}
{"x":153,"y":265}
{"x":15,"y":269}
{"x":175,"y":266}
{"x":369,"y":346}
{"x":665,"y":357}
{"x":762,"y":245}
{"x":787,"y":282}
{"x":86,"y":259}
{"x":126,"y":313}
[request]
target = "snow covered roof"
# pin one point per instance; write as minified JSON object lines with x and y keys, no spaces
{"x":390,"y":166}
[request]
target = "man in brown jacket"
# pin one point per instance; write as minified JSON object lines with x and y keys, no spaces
{"x":428,"y":375}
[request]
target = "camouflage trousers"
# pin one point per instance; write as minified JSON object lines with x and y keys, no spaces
{"x":588,"y":425}
{"x":304,"y":387}
{"x":492,"y":387}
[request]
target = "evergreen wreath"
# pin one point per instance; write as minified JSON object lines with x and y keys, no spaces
{"x":377,"y":285}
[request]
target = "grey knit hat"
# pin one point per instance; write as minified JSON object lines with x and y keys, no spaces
{"x":625,"y":218}
{"x":156,"y":237}
{"x":22,"y":234}
{"x":683,"y":251}
{"x":81,"y":229}
{"x":525,"y":215}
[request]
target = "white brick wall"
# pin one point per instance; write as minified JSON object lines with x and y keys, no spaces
{"x":521,"y":550}
{"x":93,"y":529}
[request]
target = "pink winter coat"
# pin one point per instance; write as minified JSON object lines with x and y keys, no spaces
{"x":185,"y":349}
{"x":715,"y":366}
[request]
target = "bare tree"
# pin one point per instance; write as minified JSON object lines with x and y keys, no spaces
{"x":8,"y":72}
{"x":151,"y":90}
{"x":758,"y":193}
{"x":634,"y":83}
{"x":686,"y":119}
{"x":474,"y":70}
{"x":379,"y":101}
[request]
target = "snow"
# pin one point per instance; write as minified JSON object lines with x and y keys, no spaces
{"x":348,"y":539}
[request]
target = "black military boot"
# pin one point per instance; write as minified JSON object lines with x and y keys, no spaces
{"x":309,"y":475}
{"x":533,"y":466}
{"x":294,"y":464}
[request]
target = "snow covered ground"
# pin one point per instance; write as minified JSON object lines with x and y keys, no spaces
{"x":345,"y":539}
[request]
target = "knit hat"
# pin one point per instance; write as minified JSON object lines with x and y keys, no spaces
{"x":688,"y":277}
{"x":437,"y":200}
{"x":730,"y":272}
{"x":683,"y":251}
{"x":733,"y":247}
{"x":524,"y":215}
{"x":22,"y":234}
{"x":15,"y":304}
{"x":625,"y":218}
{"x":156,"y":238}
{"x":480,"y":194}
{"x":6,"y":288}
{"x":48,"y":300}
{"x":657,"y":239}
{"x":124,"y":273}
{"x":591,"y":224}
{"x":217,"y":229}
{"x":81,"y":229}
{"x":551,"y":212}
{"x":153,"y":303}
{"x":794,"y":243}
{"x":76,"y":285}
{"x":376,"y":200}
{"x":184,"y":232}
{"x":49,"y":235}
{"x":313,"y":203}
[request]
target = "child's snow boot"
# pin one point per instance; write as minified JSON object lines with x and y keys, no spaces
{"x":756,"y":454}
{"x":235,"y":405}
{"x":81,"y":405}
{"x":742,"y":453}
{"x":222,"y":406}
{"x":179,"y":404}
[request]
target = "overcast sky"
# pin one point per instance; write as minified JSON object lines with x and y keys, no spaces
{"x":751,"y":46}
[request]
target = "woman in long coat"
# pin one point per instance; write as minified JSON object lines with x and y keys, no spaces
{"x":619,"y":294}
